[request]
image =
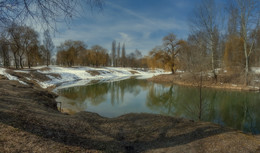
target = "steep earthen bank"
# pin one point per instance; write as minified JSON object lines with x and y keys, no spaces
{"x":30,"y":122}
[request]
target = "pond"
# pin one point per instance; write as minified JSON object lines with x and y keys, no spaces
{"x":239,"y":110}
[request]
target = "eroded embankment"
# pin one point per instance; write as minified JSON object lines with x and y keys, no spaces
{"x":30,"y":122}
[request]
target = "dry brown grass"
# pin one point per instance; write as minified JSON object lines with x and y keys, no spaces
{"x":93,"y":72}
{"x":134,"y":72}
{"x":33,"y":76}
{"x":232,"y":81}
{"x":45,"y":69}
{"x":30,"y":122}
{"x":2,"y":77}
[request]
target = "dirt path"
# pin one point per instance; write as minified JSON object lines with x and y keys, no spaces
{"x":30,"y":122}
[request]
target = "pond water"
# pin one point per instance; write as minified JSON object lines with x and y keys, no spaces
{"x":239,"y":110}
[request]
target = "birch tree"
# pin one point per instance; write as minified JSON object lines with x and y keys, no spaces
{"x":249,"y":17}
{"x":205,"y":20}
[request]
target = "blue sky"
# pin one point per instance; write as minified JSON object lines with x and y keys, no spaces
{"x":140,"y":24}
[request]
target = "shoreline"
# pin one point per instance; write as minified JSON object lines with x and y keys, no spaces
{"x":31,"y":122}
{"x":169,"y":78}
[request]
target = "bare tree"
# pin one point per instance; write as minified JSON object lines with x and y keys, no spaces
{"x":4,"y":51}
{"x":45,"y":12}
{"x":30,"y":44}
{"x":113,"y":53}
{"x":205,"y":20}
{"x":232,"y":20}
{"x":49,"y":46}
{"x":249,"y":18}
{"x":100,"y":55}
{"x":14,"y":37}
{"x":170,"y":44}
{"x":198,"y":63}
{"x":69,"y":52}
{"x":118,"y":55}
{"x":123,"y":56}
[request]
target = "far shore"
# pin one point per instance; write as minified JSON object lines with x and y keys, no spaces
{"x":175,"y":79}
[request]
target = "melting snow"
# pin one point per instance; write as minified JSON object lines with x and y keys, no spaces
{"x":10,"y":77}
{"x":80,"y":75}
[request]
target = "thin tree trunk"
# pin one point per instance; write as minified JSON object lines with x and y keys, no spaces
{"x":213,"y":58}
{"x":21,"y":62}
{"x":29,"y":62}
{"x":15,"y":61}
{"x":200,"y":104}
{"x":172,"y":69}
{"x":247,"y":60}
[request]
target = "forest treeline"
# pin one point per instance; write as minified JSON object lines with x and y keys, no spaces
{"x":76,"y":53}
{"x":20,"y":46}
{"x":230,"y":41}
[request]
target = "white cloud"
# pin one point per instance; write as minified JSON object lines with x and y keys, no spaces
{"x":123,"y":25}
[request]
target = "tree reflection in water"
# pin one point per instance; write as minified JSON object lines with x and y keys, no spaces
{"x":80,"y":97}
{"x":177,"y":101}
{"x":231,"y":108}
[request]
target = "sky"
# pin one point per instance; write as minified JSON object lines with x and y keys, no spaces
{"x":140,"y":24}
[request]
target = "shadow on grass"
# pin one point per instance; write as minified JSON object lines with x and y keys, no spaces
{"x":83,"y":138}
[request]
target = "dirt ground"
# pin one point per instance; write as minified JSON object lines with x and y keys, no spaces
{"x":30,"y":122}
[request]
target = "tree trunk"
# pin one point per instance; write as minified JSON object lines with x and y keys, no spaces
{"x":247,"y":61}
{"x":246,"y":70}
{"x":48,"y":59}
{"x":172,"y":69}
{"x":15,"y":61}
{"x":29,"y":62}
{"x":21,"y":62}
{"x":200,"y":102}
{"x":213,"y":58}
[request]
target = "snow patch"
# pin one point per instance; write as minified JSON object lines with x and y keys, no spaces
{"x":75,"y":76}
{"x":255,"y":70}
{"x":10,"y":77}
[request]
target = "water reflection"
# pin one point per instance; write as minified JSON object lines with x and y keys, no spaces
{"x":80,"y":98}
{"x":231,"y":108}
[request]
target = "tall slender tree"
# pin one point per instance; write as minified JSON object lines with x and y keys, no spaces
{"x":249,"y":18}
{"x":170,"y":44}
{"x":30,"y":44}
{"x":118,"y":55}
{"x":123,"y":58}
{"x":113,"y":53}
{"x":49,"y":46}
{"x":205,"y":20}
{"x":4,"y":51}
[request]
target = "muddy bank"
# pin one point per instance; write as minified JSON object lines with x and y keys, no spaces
{"x":30,"y":122}
{"x":180,"y":79}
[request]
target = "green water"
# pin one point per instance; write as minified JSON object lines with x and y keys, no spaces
{"x":239,"y":110}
